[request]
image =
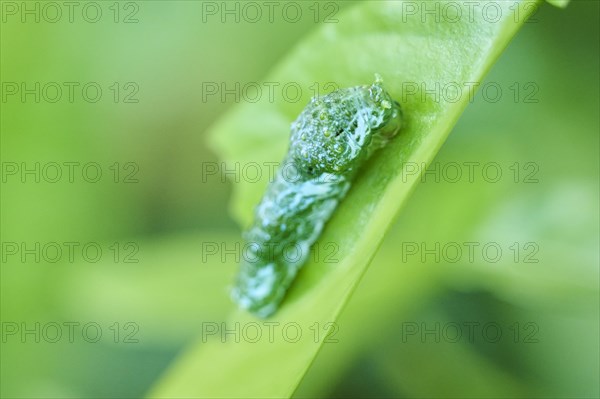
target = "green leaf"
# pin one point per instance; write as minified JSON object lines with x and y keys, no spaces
{"x":559,"y":3}
{"x":410,"y":53}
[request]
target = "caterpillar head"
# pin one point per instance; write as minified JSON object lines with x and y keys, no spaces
{"x":336,"y":132}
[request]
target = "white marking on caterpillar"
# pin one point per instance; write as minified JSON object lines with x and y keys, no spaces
{"x":331,"y":139}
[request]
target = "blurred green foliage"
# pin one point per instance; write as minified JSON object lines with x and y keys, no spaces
{"x":170,"y":212}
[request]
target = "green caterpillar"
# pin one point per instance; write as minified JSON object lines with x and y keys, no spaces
{"x":331,"y":139}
